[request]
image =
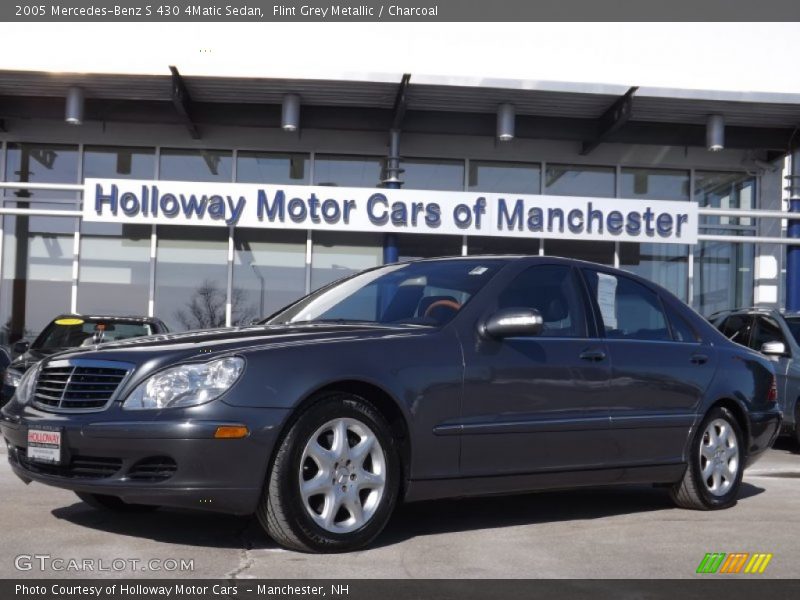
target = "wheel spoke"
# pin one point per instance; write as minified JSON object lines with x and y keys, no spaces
{"x":323,"y":457}
{"x":359,"y":452}
{"x":340,"y":445}
{"x":707,"y":451}
{"x":353,"y":506}
{"x":727,"y":473}
{"x":319,"y":484}
{"x":713,"y":438}
{"x":709,"y":468}
{"x":716,"y":480}
{"x":731,"y":452}
{"x":332,"y":505}
{"x":371,"y":480}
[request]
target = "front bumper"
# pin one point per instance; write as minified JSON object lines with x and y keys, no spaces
{"x":170,"y":458}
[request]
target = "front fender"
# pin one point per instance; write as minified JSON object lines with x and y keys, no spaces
{"x":421,"y":372}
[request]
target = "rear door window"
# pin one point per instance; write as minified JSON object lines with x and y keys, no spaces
{"x":682,"y":331}
{"x":628,"y":309}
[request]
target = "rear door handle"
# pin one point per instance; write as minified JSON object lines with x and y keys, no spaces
{"x":593,"y":355}
{"x":699,"y":359}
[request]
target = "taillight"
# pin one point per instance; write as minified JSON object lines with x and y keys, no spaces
{"x":772,"y":396}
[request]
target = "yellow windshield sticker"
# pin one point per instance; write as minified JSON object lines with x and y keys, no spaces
{"x":69,"y":321}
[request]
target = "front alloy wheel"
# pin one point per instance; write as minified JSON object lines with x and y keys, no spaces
{"x":342,"y":475}
{"x":335,"y":478}
{"x":716,"y":464}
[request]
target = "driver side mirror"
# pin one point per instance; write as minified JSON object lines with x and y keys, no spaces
{"x":511,"y":322}
{"x":773,"y":348}
{"x":21,"y":347}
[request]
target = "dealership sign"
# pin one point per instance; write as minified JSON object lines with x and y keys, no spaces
{"x":387,"y":210}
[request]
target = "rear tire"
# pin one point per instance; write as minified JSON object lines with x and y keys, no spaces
{"x":716,"y":464}
{"x":113,"y":503}
{"x":335,"y":478}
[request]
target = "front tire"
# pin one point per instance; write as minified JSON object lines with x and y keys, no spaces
{"x":335,"y":478}
{"x":716,"y":464}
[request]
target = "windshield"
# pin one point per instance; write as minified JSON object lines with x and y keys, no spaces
{"x":422,"y":293}
{"x":72,"y":332}
{"x":794,"y":327}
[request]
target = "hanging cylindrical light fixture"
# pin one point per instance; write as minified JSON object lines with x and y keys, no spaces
{"x":506,"y":117}
{"x":73,"y":110}
{"x":290,"y":113}
{"x":715,"y":133}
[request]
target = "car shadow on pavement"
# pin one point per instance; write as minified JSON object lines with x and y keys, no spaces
{"x":172,"y":526}
{"x":447,"y":516}
{"x":196,"y":528}
{"x":786,"y":444}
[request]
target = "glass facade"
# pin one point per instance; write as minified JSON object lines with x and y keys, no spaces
{"x":200,"y":277}
{"x":572,"y":180}
{"x":723,"y":271}
{"x":38,"y":251}
{"x":666,"y":264}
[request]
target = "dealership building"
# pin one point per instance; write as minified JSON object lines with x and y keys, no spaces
{"x":74,"y":237}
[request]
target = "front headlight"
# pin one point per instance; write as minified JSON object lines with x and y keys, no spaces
{"x":27,"y":385}
{"x":12,"y":377}
{"x":186,"y":385}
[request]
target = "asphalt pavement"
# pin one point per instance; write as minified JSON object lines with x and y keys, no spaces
{"x":624,"y":532}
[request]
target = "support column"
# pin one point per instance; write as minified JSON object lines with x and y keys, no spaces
{"x":793,"y":251}
{"x":392,"y":182}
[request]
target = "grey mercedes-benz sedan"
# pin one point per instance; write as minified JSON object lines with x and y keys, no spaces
{"x":411,"y":381}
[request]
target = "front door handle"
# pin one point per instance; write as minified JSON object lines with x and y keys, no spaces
{"x":699,"y":359}
{"x":593,"y":355}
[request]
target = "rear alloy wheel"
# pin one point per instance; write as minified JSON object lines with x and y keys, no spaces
{"x":716,"y":464}
{"x":113,"y":503}
{"x":335,"y":478}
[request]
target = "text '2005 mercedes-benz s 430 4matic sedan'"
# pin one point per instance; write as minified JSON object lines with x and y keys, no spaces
{"x":429,"y":379}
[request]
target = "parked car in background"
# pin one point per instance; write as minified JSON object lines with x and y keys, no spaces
{"x":69,"y":331}
{"x":5,"y":359}
{"x":411,"y":381}
{"x":776,"y":335}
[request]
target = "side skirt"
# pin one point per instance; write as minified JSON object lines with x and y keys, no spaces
{"x":433,"y":489}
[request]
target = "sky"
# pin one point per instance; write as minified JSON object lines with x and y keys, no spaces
{"x":709,"y":56}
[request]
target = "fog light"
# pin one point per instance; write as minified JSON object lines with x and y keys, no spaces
{"x":231,"y":432}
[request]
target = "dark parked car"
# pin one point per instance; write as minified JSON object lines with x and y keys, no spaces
{"x":5,"y":359}
{"x":68,"y":331}
{"x":412,"y":381}
{"x":777,"y":335}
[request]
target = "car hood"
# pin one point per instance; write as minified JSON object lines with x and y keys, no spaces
{"x":174,"y":347}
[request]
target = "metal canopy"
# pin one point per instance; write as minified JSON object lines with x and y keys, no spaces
{"x":424,"y":94}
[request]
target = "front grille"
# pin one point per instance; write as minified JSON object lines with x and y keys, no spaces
{"x":156,"y":468}
{"x":68,"y":387}
{"x":79,"y":467}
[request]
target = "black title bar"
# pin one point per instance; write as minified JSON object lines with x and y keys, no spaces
{"x":744,"y":587}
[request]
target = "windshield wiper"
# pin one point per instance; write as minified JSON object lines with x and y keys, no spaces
{"x":331,"y":322}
